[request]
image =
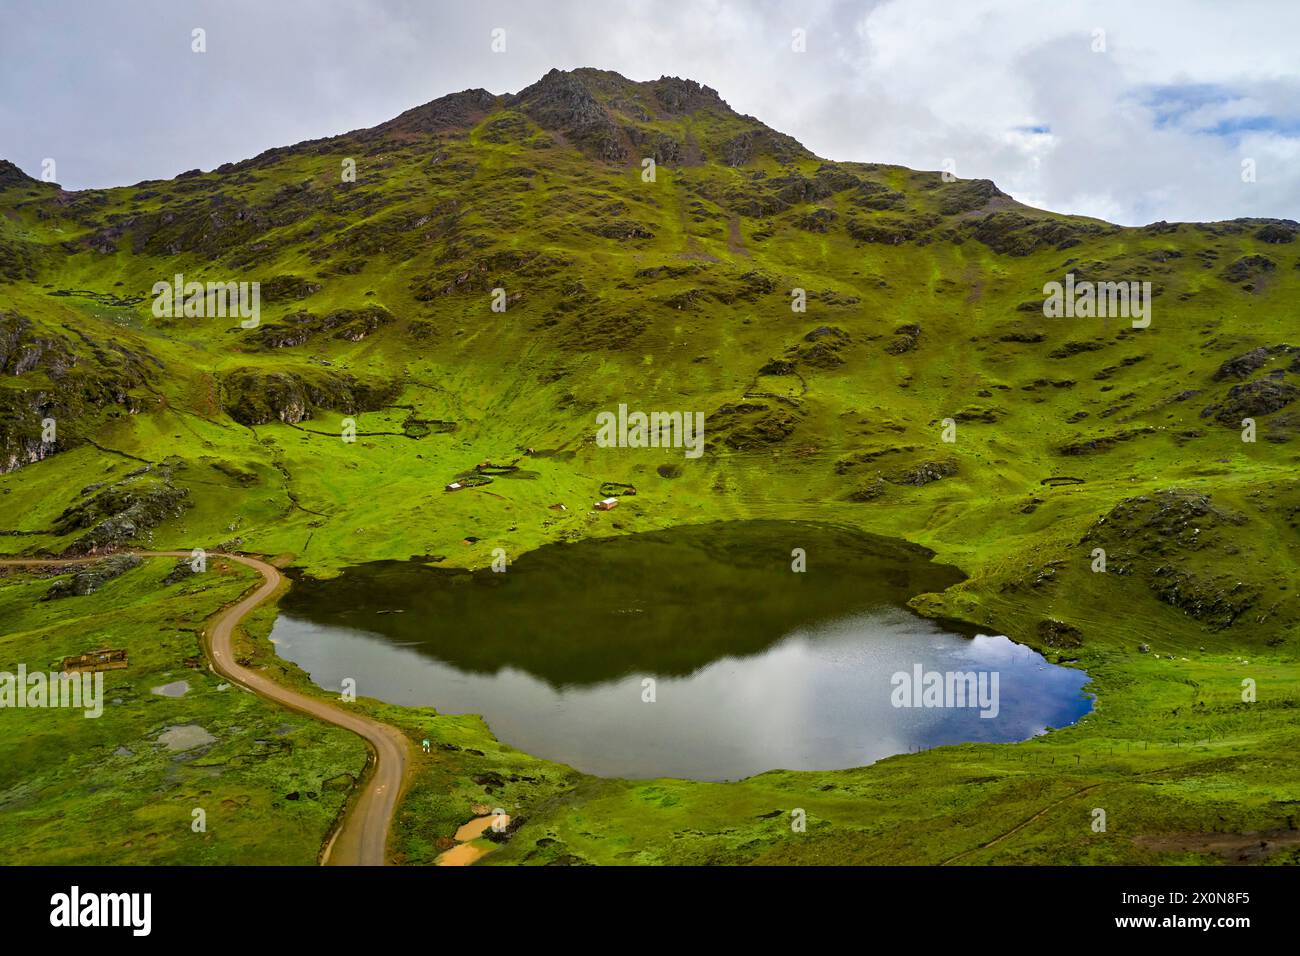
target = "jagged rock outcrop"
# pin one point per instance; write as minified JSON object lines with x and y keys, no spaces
{"x":678,"y":97}
{"x":1260,"y":397}
{"x":351,"y":325}
{"x":453,"y":111}
{"x":59,"y":385}
{"x":1249,"y":269}
{"x":93,"y":578}
{"x":11,"y":176}
{"x":255,"y":396}
{"x":561,"y":102}
{"x":1159,"y":539}
{"x":128,"y":510}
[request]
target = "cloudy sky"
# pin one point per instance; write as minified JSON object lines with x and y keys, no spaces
{"x":1129,"y":111}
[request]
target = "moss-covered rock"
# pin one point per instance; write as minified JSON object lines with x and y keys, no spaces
{"x":93,"y":578}
{"x":1251,"y":399}
{"x":256,"y":396}
{"x":123,"y":512}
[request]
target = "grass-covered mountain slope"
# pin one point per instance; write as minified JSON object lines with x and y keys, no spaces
{"x":923,"y":304}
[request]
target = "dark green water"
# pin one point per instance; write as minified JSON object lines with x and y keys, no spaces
{"x":754,"y":666}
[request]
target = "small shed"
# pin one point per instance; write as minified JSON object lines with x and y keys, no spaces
{"x":103,"y":660}
{"x":607,"y":504}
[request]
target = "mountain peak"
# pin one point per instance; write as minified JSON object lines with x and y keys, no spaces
{"x":567,"y":103}
{"x":616,"y":119}
{"x":668,"y":95}
{"x":605,"y":115}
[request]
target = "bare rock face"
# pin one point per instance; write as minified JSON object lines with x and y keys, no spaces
{"x":1014,"y":234}
{"x":923,"y":473}
{"x":761,"y":141}
{"x":1056,"y":633}
{"x":665,"y":150}
{"x":93,"y":578}
{"x":253,"y":396}
{"x":11,"y":176}
{"x":21,"y":450}
{"x":67,"y":381}
{"x":454,"y":111}
{"x":1260,"y":397}
{"x":819,"y":220}
{"x":127,"y":510}
{"x":967,"y":195}
{"x":352,"y":325}
{"x":1242,"y":365}
{"x":678,"y":96}
{"x":561,"y":102}
{"x":23,"y":348}
{"x":1249,"y":269}
{"x":1276,"y":233}
{"x":905,"y":339}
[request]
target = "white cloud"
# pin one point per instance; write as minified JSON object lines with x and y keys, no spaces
{"x":115,"y":94}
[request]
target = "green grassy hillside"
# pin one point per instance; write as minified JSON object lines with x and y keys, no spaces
{"x":124,"y":788}
{"x":923,"y":304}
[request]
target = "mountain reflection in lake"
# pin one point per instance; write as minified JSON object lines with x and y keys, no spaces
{"x":756,"y":667}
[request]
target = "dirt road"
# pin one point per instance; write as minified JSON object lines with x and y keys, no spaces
{"x":362,"y":838}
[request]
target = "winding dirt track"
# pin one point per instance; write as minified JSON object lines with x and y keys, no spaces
{"x":362,"y":838}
